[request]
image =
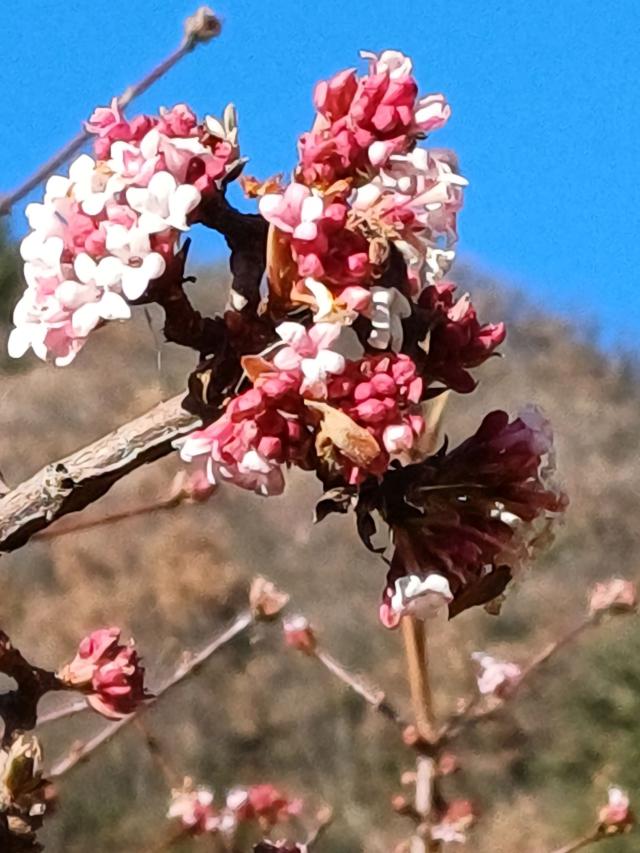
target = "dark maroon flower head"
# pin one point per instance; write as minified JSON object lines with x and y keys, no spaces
{"x":457,"y":340}
{"x":464,"y":521}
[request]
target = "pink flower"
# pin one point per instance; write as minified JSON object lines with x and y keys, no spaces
{"x":295,"y":211}
{"x":496,"y":677}
{"x":616,"y":816}
{"x":310,"y":353}
{"x":457,"y":341}
{"x":380,"y":393}
{"x":108,"y":673}
{"x":260,"y":431}
{"x":452,"y":826}
{"x":363,"y":121}
{"x":263,"y":803}
{"x":104,"y":120}
{"x":615,"y":595}
{"x":177,"y":121}
{"x":194,"y":808}
{"x":332,"y":98}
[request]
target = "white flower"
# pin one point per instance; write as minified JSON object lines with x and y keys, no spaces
{"x":136,"y":265}
{"x":107,"y":304}
{"x":388,"y":309}
{"x":43,"y":251}
{"x":495,"y":676}
{"x":323,"y":297}
{"x":392,"y":61}
{"x":89,"y":184}
{"x":227,"y":129}
{"x":319,"y":369}
{"x":422,"y":596}
{"x":164,"y":203}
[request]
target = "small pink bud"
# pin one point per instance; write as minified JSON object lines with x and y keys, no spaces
{"x":266,"y":600}
{"x":615,"y":595}
{"x":108,"y":673}
{"x":299,"y":635}
{"x":616,"y":816}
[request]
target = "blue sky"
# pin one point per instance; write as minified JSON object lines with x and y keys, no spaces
{"x":546,"y":111}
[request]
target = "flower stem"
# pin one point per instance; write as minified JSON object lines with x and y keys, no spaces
{"x":415,"y":644}
{"x":416,"y":649}
{"x":580,"y":843}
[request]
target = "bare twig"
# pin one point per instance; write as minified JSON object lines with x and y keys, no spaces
{"x":325,"y":818}
{"x":470,"y":717}
{"x":198,"y":29}
{"x":583,"y":841}
{"x":375,"y":698}
{"x":63,"y":713}
{"x":188,"y":667}
{"x":63,"y":529}
{"x":155,"y":750}
{"x":78,"y":480}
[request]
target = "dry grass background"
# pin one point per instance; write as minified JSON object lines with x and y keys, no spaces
{"x":259,"y":712}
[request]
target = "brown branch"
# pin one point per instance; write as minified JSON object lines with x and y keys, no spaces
{"x":198,"y":29}
{"x":188,"y":667}
{"x":19,"y":707}
{"x":78,"y":480}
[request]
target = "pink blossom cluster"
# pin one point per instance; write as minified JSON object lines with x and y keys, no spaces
{"x":480,"y":512}
{"x":380,"y":393}
{"x":272,"y":424}
{"x":362,"y":121}
{"x":261,"y":805}
{"x":103,"y":233}
{"x":108,"y":673}
{"x":363,"y":188}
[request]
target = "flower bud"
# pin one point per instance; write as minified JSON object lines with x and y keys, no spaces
{"x":108,"y":673}
{"x":20,"y":769}
{"x":266,"y":600}
{"x":299,"y":634}
{"x":616,"y":816}
{"x":615,"y":596}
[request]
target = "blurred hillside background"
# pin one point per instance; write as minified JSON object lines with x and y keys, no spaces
{"x":261,"y":712}
{"x":546,"y":122}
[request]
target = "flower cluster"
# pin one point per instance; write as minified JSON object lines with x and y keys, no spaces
{"x":259,"y":806}
{"x":312,"y":407}
{"x":330,"y":364}
{"x":457,"y":341}
{"x":111,"y":227}
{"x":362,"y":190}
{"x":108,"y":673}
